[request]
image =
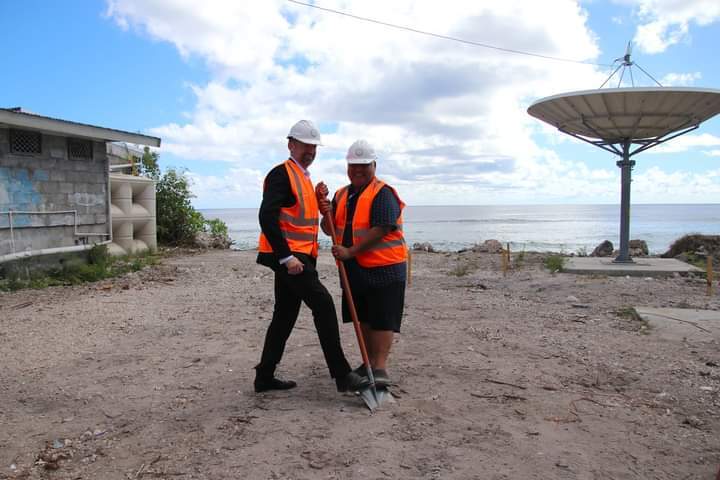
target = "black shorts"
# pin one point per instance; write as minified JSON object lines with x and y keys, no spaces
{"x":381,"y":308}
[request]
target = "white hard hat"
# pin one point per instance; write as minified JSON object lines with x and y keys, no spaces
{"x":304,"y":131}
{"x":360,"y":153}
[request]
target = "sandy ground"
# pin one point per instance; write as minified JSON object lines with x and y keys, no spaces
{"x":150,"y":376}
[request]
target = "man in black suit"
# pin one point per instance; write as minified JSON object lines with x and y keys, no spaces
{"x":288,"y":245}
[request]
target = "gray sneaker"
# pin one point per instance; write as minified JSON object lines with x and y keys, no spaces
{"x":352,"y":382}
{"x":361,"y":370}
{"x":382,"y":380}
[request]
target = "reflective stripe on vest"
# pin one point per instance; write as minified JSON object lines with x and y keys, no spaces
{"x":340,"y":197}
{"x":361,"y":232}
{"x":391,"y":248}
{"x":299,"y":223}
{"x":298,"y":236}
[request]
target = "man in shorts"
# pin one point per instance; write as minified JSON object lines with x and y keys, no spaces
{"x":368,"y":222}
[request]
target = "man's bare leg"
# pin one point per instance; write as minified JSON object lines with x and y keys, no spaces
{"x":378,"y":344}
{"x":367,"y":335}
{"x":381,"y":341}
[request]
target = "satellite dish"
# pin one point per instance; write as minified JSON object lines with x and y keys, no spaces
{"x":615,"y":114}
{"x":627,"y":121}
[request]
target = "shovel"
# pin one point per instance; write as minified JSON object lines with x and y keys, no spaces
{"x":371,"y":395}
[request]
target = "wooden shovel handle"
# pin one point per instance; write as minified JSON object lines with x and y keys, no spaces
{"x":348,"y":294}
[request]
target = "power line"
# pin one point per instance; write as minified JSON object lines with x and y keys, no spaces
{"x":446,"y":37}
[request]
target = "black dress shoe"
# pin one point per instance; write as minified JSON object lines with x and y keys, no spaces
{"x":352,"y":382}
{"x":265,"y":384}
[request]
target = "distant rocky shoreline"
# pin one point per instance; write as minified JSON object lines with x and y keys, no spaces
{"x":687,"y":247}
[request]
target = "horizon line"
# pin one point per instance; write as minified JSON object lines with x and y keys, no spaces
{"x":507,"y":205}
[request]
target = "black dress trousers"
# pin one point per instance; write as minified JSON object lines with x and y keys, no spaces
{"x":290,"y":292}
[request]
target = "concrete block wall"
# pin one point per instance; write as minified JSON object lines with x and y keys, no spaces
{"x":51,"y":182}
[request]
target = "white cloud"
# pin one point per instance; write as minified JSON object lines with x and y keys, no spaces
{"x":687,"y":142}
{"x":443,"y":112}
{"x":236,"y":38}
{"x":667,"y":22}
{"x":448,"y":119}
{"x":657,"y":186}
{"x":236,"y":188}
{"x":713,"y":153}
{"x":680,"y":79}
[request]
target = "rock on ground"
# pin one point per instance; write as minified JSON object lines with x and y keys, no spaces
{"x":604,"y":249}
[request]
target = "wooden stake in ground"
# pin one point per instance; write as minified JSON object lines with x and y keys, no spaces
{"x":509,"y":260}
{"x":709,"y":275}
{"x":505,"y":259}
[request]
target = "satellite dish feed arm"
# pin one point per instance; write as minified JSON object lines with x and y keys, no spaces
{"x":646,"y":73}
{"x":612,"y":74}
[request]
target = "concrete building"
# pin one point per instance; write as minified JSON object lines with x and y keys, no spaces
{"x":55,"y":184}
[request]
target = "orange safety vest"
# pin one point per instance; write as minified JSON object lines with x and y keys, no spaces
{"x":299,"y":223}
{"x":391,"y":248}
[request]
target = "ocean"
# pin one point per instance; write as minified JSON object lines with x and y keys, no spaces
{"x":554,"y":228}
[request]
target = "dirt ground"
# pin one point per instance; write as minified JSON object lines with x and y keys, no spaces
{"x":529,"y":375}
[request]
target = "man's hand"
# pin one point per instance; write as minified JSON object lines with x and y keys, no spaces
{"x":321,"y":193}
{"x":341,"y":253}
{"x":321,"y":190}
{"x":324,"y":206}
{"x":294,"y":266}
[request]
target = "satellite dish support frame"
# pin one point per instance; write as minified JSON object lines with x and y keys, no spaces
{"x":626,"y":165}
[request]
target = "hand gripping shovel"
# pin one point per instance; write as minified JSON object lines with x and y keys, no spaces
{"x":371,"y":395}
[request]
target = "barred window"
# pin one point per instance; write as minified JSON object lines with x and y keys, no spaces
{"x":25,"y":142}
{"x":79,"y":149}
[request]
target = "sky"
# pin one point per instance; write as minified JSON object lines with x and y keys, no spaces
{"x":222,"y":82}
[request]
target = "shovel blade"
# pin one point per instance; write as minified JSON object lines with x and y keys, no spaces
{"x":374,"y":397}
{"x":368,"y":397}
{"x":383,"y":395}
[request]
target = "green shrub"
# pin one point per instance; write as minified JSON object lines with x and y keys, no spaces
{"x":75,"y":274}
{"x":693,"y":242}
{"x":628,"y":312}
{"x":149,"y":164}
{"x":463,"y":268}
{"x":554,"y":263}
{"x":38,"y":283}
{"x":98,"y":255}
{"x":137,"y":264}
{"x":636,"y":321}
{"x":177,"y":220}
{"x":216,"y":227}
{"x":697,"y":261}
{"x":14,"y":283}
{"x":99,"y":266}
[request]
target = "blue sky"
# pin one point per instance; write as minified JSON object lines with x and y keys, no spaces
{"x":221,"y":82}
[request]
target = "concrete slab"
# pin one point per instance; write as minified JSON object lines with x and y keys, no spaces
{"x":682,"y":323}
{"x":642,"y":267}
